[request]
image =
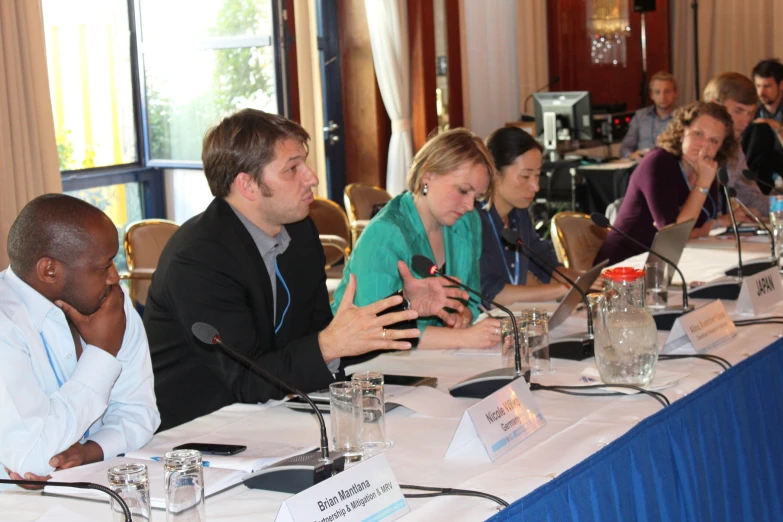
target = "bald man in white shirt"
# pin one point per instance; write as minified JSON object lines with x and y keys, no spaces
{"x":76,"y":382}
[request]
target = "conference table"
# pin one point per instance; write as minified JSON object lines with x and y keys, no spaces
{"x":597,"y":458}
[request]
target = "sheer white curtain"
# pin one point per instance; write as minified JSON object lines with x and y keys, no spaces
{"x":28,"y":150}
{"x":388,"y":23}
{"x":491,"y":64}
{"x":733,"y":36}
{"x":532,"y":48}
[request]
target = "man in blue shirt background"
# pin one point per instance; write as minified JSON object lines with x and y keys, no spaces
{"x":649,"y":122}
{"x":76,"y":381}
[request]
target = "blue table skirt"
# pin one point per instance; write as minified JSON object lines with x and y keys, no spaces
{"x":716,"y":454}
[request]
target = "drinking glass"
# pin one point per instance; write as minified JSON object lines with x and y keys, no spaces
{"x":656,"y":284}
{"x":184,"y":483}
{"x":130,"y":481}
{"x":536,"y":323}
{"x":373,"y":412}
{"x":507,"y":343}
{"x":345,"y":411}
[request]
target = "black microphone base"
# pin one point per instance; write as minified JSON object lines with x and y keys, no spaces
{"x":753,"y":267}
{"x":297,"y":473}
{"x":664,"y":318}
{"x":728,"y":289}
{"x":485,"y":384}
{"x":574,"y":347}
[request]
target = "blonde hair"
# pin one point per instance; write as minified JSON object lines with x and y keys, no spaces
{"x":663,"y":76}
{"x":447,"y":152}
{"x":671,"y":138}
{"x":731,"y":86}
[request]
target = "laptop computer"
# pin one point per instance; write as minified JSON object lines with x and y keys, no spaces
{"x":670,"y":242}
{"x":573,"y":297}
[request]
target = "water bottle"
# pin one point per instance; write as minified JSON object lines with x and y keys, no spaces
{"x":776,"y":212}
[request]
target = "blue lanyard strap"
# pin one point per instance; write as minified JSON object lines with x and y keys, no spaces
{"x":709,"y":215}
{"x":515,"y":278}
{"x":288,"y":293}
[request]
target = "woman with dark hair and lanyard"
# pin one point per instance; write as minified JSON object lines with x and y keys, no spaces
{"x":675,"y":182}
{"x":504,"y":269}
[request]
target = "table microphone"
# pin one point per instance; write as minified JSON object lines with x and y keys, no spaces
{"x":664,"y":319}
{"x":586,"y":346}
{"x":77,"y":485}
{"x":297,"y":473}
{"x":752,"y":176}
{"x":723,"y":181}
{"x":758,"y":265}
{"x":484,"y":384}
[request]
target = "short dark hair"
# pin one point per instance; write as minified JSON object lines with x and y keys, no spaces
{"x":244,"y":142}
{"x":671,"y":138}
{"x":508,"y":143}
{"x":771,"y":68}
{"x":52,"y":225}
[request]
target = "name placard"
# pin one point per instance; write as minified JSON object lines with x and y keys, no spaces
{"x":366,"y":491}
{"x":497,"y":424}
{"x":700,"y":330}
{"x":760,"y":292}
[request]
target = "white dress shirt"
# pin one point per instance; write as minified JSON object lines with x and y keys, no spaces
{"x":49,"y":400}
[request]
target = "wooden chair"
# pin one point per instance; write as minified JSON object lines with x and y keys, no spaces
{"x":576,"y":239}
{"x":144,"y":242}
{"x":360,"y":199}
{"x":335,"y":235}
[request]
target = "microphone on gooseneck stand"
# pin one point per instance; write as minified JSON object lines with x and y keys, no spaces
{"x":77,"y":485}
{"x":484,"y":384}
{"x":566,"y":349}
{"x":752,"y":176}
{"x":529,"y":96}
{"x":297,"y":473}
{"x":757,"y":265}
{"x":664,"y":319}
{"x":723,"y":180}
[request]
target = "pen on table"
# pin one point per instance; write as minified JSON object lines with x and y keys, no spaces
{"x":204,"y":463}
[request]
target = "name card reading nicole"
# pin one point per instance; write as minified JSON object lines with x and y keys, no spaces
{"x":495,"y":425}
{"x":366,"y":491}
{"x":760,"y":292}
{"x":700,"y":330}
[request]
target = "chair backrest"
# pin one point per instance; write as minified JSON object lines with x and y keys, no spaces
{"x":144,"y":242}
{"x":576,"y":239}
{"x":360,"y":199}
{"x":330,"y":220}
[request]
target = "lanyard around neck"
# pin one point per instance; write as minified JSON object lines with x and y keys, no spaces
{"x":288,"y":293}
{"x":709,"y":215}
{"x":515,"y":278}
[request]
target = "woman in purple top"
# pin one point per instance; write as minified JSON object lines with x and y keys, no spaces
{"x":675,"y":182}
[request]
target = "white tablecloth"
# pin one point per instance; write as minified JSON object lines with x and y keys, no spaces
{"x":576,"y":427}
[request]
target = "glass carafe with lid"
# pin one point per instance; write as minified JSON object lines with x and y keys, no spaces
{"x":626,"y":340}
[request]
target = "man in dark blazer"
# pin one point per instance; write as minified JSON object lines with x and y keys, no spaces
{"x":252,"y":266}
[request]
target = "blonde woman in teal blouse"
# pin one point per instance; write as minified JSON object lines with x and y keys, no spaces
{"x":435,"y":218}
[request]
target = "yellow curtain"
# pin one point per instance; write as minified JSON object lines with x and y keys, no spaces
{"x":310,"y":99}
{"x":28,"y":150}
{"x":532,"y":48}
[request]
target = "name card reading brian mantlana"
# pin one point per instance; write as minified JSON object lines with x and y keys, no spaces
{"x":700,"y":330}
{"x":760,"y":292}
{"x":495,"y":425}
{"x":366,"y":491}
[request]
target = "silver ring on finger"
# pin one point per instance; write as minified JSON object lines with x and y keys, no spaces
{"x":384,"y":334}
{"x":497,"y":331}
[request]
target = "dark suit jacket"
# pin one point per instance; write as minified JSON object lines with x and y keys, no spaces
{"x":211,"y":271}
{"x":762,"y":153}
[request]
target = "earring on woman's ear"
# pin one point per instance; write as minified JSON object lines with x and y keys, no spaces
{"x":425,"y":189}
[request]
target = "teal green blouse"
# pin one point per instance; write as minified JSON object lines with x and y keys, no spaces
{"x":397,"y":233}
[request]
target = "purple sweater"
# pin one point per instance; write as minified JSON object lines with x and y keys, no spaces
{"x":656,"y":193}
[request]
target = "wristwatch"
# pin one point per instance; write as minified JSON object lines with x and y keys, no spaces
{"x":703,"y":190}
